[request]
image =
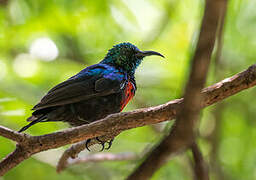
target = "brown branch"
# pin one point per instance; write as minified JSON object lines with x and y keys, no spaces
{"x":13,"y":135}
{"x":3,"y":2}
{"x":182,"y":133}
{"x":214,"y":137}
{"x":117,"y":123}
{"x":200,"y":167}
{"x":72,"y":152}
{"x":13,"y":159}
{"x":211,"y":95}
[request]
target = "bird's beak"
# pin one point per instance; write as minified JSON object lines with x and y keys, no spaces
{"x":148,"y":53}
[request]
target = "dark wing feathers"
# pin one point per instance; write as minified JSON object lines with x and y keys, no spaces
{"x":70,"y":93}
{"x":78,"y":89}
{"x":104,"y":83}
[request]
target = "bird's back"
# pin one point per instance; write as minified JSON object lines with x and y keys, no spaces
{"x":92,"y":94}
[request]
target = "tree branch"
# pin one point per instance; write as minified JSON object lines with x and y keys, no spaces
{"x":13,"y":159}
{"x":116,"y":123}
{"x":13,"y":135}
{"x":182,"y":133}
{"x":99,"y":157}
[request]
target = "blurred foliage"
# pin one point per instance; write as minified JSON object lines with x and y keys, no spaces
{"x":44,"y":42}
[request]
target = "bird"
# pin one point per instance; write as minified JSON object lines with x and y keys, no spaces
{"x":95,"y":92}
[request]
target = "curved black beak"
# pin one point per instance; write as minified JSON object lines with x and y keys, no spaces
{"x":148,"y":53}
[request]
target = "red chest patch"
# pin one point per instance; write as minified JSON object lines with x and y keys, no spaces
{"x":129,"y":93}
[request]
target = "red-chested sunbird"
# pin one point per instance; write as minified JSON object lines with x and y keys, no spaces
{"x":95,"y":92}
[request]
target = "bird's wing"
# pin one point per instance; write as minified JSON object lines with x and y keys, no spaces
{"x":83,"y":87}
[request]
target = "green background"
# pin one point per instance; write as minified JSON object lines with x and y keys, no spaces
{"x":75,"y":34}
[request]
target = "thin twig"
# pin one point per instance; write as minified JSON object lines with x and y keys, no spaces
{"x":200,"y":167}
{"x":220,"y":37}
{"x":100,"y":157}
{"x":117,"y":123}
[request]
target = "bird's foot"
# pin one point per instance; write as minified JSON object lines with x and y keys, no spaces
{"x":100,"y":142}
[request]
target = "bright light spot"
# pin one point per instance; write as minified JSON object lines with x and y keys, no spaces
{"x":146,"y":13}
{"x":18,"y":112}
{"x":2,"y":100}
{"x":44,"y":49}
{"x":122,"y":20}
{"x":3,"y":70}
{"x":24,"y":65}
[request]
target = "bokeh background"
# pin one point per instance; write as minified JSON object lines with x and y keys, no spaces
{"x":44,"y":42}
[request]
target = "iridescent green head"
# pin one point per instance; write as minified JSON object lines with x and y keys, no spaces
{"x":127,"y":56}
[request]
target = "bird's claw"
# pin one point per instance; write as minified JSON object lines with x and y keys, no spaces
{"x":87,"y":143}
{"x":109,"y":144}
{"x":100,"y":142}
{"x":103,"y":144}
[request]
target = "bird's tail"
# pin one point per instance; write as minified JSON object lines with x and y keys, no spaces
{"x":34,"y":121}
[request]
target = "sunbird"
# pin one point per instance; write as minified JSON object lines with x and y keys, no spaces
{"x":95,"y":92}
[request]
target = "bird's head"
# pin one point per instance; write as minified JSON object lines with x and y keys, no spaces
{"x":127,"y":56}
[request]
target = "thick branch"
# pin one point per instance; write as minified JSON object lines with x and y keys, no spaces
{"x":13,"y":159}
{"x":182,"y":133}
{"x":116,"y":123}
{"x":211,"y":95}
